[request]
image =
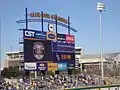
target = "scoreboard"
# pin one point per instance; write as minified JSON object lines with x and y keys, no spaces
{"x":41,"y":47}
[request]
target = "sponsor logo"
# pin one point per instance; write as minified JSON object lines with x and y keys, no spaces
{"x":40,"y":34}
{"x":62,"y":66}
{"x":34,"y":34}
{"x":52,"y":36}
{"x":69,"y":38}
{"x":30,"y":66}
{"x":42,"y":65}
{"x":30,"y":33}
{"x":70,"y":66}
{"x":61,"y":37}
{"x":52,"y":66}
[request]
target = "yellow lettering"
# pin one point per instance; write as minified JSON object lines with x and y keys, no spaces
{"x":66,"y":21}
{"x":38,"y":14}
{"x":47,"y":15}
{"x":62,"y":57}
{"x":53,"y":17}
{"x":58,"y":18}
{"x":66,"y":57}
{"x":43,"y":15}
{"x":32,"y":14}
{"x":62,"y":19}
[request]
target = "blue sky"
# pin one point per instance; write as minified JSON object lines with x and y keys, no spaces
{"x":83,"y":16}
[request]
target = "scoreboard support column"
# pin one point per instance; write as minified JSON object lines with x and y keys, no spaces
{"x":35,"y":74}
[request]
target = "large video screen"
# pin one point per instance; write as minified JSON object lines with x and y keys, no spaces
{"x":64,"y":50}
{"x":37,"y":50}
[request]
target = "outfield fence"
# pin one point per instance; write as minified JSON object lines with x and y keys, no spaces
{"x":106,"y":87}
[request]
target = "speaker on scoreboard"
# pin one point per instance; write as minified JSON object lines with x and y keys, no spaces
{"x":57,"y":72}
{"x":27,"y":73}
{"x":69,"y":71}
{"x":43,"y":73}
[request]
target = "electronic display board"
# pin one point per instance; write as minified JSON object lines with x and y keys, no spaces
{"x":62,"y":46}
{"x":63,"y":57}
{"x":37,"y":50}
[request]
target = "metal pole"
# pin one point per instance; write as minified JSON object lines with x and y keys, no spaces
{"x":56,"y":22}
{"x":42,"y":20}
{"x":0,"y":51}
{"x":81,"y":59}
{"x":101,"y":56}
{"x":35,"y":74}
{"x":68,"y":25}
{"x":26,"y":18}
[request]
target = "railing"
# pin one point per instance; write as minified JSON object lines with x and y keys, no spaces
{"x":106,"y":87}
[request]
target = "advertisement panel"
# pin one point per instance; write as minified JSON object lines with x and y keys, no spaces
{"x":62,"y":66}
{"x":70,"y":38}
{"x":30,"y":66}
{"x":37,"y":50}
{"x":61,"y":37}
{"x":51,"y":36}
{"x":64,"y":57}
{"x":34,"y":34}
{"x":52,"y":66}
{"x":42,"y":66}
{"x":70,"y":66}
{"x":62,"y":46}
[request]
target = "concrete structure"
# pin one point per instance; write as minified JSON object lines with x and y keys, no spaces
{"x":111,"y":63}
{"x":13,"y":59}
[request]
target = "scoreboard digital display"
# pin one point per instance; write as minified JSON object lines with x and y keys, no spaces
{"x":63,"y":57}
{"x":62,"y":46}
{"x":48,"y":47}
{"x":37,"y":50}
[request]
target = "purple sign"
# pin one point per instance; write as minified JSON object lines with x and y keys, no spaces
{"x":42,"y":66}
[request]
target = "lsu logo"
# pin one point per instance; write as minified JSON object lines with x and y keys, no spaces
{"x":42,"y":65}
{"x":70,"y":38}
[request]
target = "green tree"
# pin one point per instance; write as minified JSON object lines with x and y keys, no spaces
{"x":11,"y":72}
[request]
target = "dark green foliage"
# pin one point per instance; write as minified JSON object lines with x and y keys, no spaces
{"x":11,"y":72}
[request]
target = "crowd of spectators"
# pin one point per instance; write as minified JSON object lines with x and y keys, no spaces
{"x":53,"y":82}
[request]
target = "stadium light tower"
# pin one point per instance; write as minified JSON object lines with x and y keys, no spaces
{"x":0,"y":47}
{"x":100,"y":8}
